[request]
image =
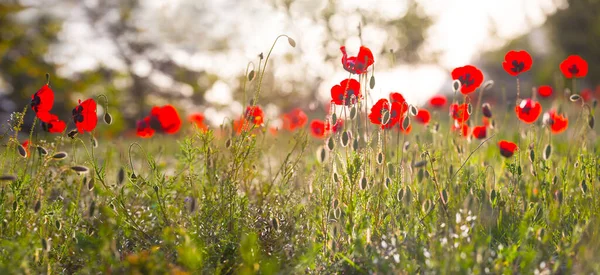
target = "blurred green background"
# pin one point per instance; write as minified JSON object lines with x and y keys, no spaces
{"x":193,"y":54}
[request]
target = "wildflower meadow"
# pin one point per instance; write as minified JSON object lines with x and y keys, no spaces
{"x":376,"y":185}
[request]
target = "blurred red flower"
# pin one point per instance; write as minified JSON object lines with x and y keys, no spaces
{"x":507,"y":148}
{"x":319,"y":128}
{"x":198,"y":120}
{"x":165,"y":119}
{"x":480,"y":132}
{"x":587,"y":95}
{"x":545,"y":90}
{"x":438,"y":101}
{"x":255,"y":115}
{"x":423,"y":116}
{"x":470,"y":78}
{"x":462,"y":127}
{"x":346,"y":93}
{"x":460,"y":112}
{"x":574,"y":67}
{"x":516,"y":62}
{"x":143,"y":128}
{"x":558,"y":123}
{"x":357,"y":64}
{"x":528,"y":111}
{"x":295,"y":119}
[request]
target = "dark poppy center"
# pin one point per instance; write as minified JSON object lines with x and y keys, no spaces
{"x":574,"y":69}
{"x":35,"y":102}
{"x":78,"y":114}
{"x":466,"y":80}
{"x":518,"y":66}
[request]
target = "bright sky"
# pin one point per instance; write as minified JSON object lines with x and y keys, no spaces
{"x":461,"y":30}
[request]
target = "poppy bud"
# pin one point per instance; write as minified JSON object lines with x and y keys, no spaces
{"x":387,"y":183}
{"x":487,"y":85}
{"x":355,"y":145}
{"x":107,"y":118}
{"x":426,"y":206}
{"x":251,"y":75}
{"x":321,"y":154}
{"x":420,"y":164}
{"x":8,"y":178}
{"x":487,"y":111}
{"x":92,"y":208}
{"x":574,"y":98}
{"x":42,"y":151}
{"x":400,"y":194}
{"x":22,"y":151}
{"x":60,"y":155}
{"x":292,"y":42}
{"x":120,"y":176}
{"x":330,"y":143}
{"x":591,"y":121}
{"x":456,"y":85}
{"x":413,"y":110}
{"x":379,"y":158}
{"x":345,"y":138}
{"x":80,"y":169}
{"x":372,"y":82}
{"x":37,"y":206}
{"x":363,"y":183}
{"x":72,"y":133}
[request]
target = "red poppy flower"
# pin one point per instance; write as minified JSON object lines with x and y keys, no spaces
{"x":377,"y":111}
{"x":198,"y":120}
{"x":319,"y":128}
{"x":470,"y":78}
{"x":295,"y":119}
{"x":544,"y":91}
{"x":574,"y":66}
{"x":144,"y":130}
{"x":346,"y":93}
{"x":397,"y":97}
{"x":587,"y":95}
{"x":54,"y":124}
{"x":423,"y":116}
{"x":479,"y":132}
{"x":557,"y":123}
{"x":255,"y":115}
{"x":507,"y":148}
{"x":460,"y":112}
{"x":486,"y":122}
{"x":357,"y":64}
{"x":462,"y":127}
{"x":339,"y":126}
{"x":528,"y":111}
{"x":438,"y":101}
{"x":42,"y":102}
{"x":84,"y":116}
{"x":516,"y":62}
{"x":165,"y":119}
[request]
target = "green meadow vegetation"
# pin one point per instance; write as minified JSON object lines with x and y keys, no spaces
{"x":386,"y":192}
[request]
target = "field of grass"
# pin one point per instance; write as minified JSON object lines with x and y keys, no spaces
{"x":360,"y":200}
